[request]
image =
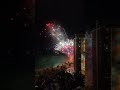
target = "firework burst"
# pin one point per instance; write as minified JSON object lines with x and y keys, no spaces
{"x":62,"y":42}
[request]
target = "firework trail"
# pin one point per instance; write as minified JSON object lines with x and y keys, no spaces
{"x":62,"y":43}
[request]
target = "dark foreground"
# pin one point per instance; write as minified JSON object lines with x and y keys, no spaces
{"x":58,"y":79}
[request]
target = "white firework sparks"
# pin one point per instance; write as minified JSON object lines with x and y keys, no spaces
{"x":63,"y":44}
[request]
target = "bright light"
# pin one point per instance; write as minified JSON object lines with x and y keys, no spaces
{"x":62,"y":42}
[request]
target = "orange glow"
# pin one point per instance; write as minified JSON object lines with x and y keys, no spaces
{"x":71,"y":58}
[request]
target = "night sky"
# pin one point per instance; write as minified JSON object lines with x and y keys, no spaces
{"x":22,"y":21}
{"x":75,"y":16}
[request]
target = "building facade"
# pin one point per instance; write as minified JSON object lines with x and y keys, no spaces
{"x":97,"y":56}
{"x":79,"y":53}
{"x":101,"y":56}
{"x":88,"y":60}
{"x":115,"y":69}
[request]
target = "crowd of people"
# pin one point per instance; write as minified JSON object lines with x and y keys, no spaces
{"x":58,"y":78}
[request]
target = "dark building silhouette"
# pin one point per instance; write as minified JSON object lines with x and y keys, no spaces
{"x":102,"y":65}
{"x":88,"y":60}
{"x":101,"y":56}
{"x":115,"y":69}
{"x":98,"y":57}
